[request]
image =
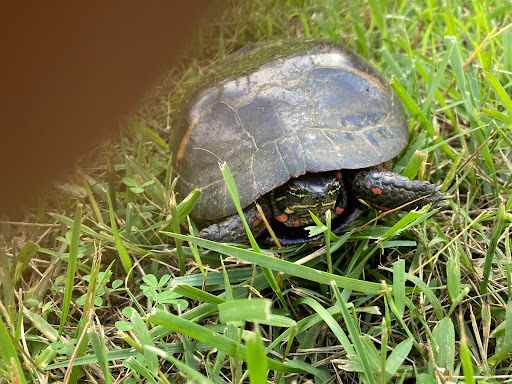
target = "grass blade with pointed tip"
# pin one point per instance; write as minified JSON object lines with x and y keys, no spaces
{"x":284,"y":266}
{"x":121,"y":249}
{"x":222,"y":343}
{"x":100,"y":350}
{"x":399,"y":285}
{"x":9,"y":356}
{"x":142,"y":332}
{"x":397,"y":358}
{"x":489,"y":257}
{"x":499,"y":90}
{"x":5,"y":278}
{"x":450,"y":41}
{"x":26,"y":254}
{"x":233,"y":192}
{"x":256,"y":359}
{"x":331,"y":322}
{"x":134,"y":364}
{"x":192,"y":373}
{"x":188,"y":203}
{"x":417,"y":113}
{"x":443,"y":344}
{"x":434,"y":301}
{"x":176,"y":229}
{"x":72,"y":259}
{"x":354,"y":335}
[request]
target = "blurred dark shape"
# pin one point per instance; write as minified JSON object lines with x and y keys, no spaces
{"x":70,"y":71}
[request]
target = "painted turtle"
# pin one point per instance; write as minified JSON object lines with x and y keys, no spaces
{"x":302,"y":125}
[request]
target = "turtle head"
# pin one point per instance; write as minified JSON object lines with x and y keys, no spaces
{"x":315,"y":192}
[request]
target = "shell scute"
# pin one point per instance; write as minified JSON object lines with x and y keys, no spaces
{"x":280,"y":110}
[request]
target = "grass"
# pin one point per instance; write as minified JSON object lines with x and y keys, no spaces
{"x":92,"y":289}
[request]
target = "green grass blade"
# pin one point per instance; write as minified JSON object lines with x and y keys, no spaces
{"x":194,"y":250}
{"x":436,"y":80}
{"x":465,"y":355}
{"x":359,"y":27}
{"x":434,"y":301}
{"x":9,"y":356}
{"x":383,"y":350}
{"x":254,"y":310}
{"x":354,"y":335}
{"x":460,"y":76}
{"x":380,"y":20}
{"x":502,"y":94}
{"x":121,"y":249}
{"x":133,"y":364}
{"x":188,"y":203}
{"x":411,"y":106}
{"x":156,"y":138}
{"x":43,"y":326}
{"x":417,"y":160}
{"x":443,"y":345}
{"x":26,"y":254}
{"x":467,"y":365}
{"x":6,"y":278}
{"x":176,"y":229}
{"x":256,"y":359}
{"x":411,"y":219}
{"x":97,"y":339}
{"x":506,"y":346}
{"x":222,"y":343}
{"x":72,"y":259}
{"x":81,"y":334}
{"x":192,"y":373}
{"x":399,"y":285}
{"x":397,"y":358}
{"x":415,"y":111}
{"x":233,"y":192}
{"x":284,"y":266}
{"x":497,"y":231}
{"x":145,"y":340}
{"x":453,"y":276}
{"x":197,"y":294}
{"x":84,"y":228}
{"x":331,"y":322}
{"x":328,"y":240}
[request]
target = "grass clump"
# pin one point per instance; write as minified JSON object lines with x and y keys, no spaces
{"x":92,"y":288}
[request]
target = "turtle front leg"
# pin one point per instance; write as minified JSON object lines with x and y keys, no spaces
{"x":232,"y":230}
{"x":388,"y":190}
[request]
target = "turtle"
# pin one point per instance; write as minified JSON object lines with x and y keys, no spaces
{"x":304,"y":125}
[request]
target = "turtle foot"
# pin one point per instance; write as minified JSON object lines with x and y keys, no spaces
{"x":232,"y":230}
{"x":388,"y":190}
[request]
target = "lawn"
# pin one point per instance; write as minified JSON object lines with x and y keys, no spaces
{"x":102,"y":283}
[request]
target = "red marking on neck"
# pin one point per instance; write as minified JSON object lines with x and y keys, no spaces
{"x":282,"y":218}
{"x":338,"y":175}
{"x":339,"y":210}
{"x":376,"y":191}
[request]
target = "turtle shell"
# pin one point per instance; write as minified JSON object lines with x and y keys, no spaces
{"x":279,"y":110}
